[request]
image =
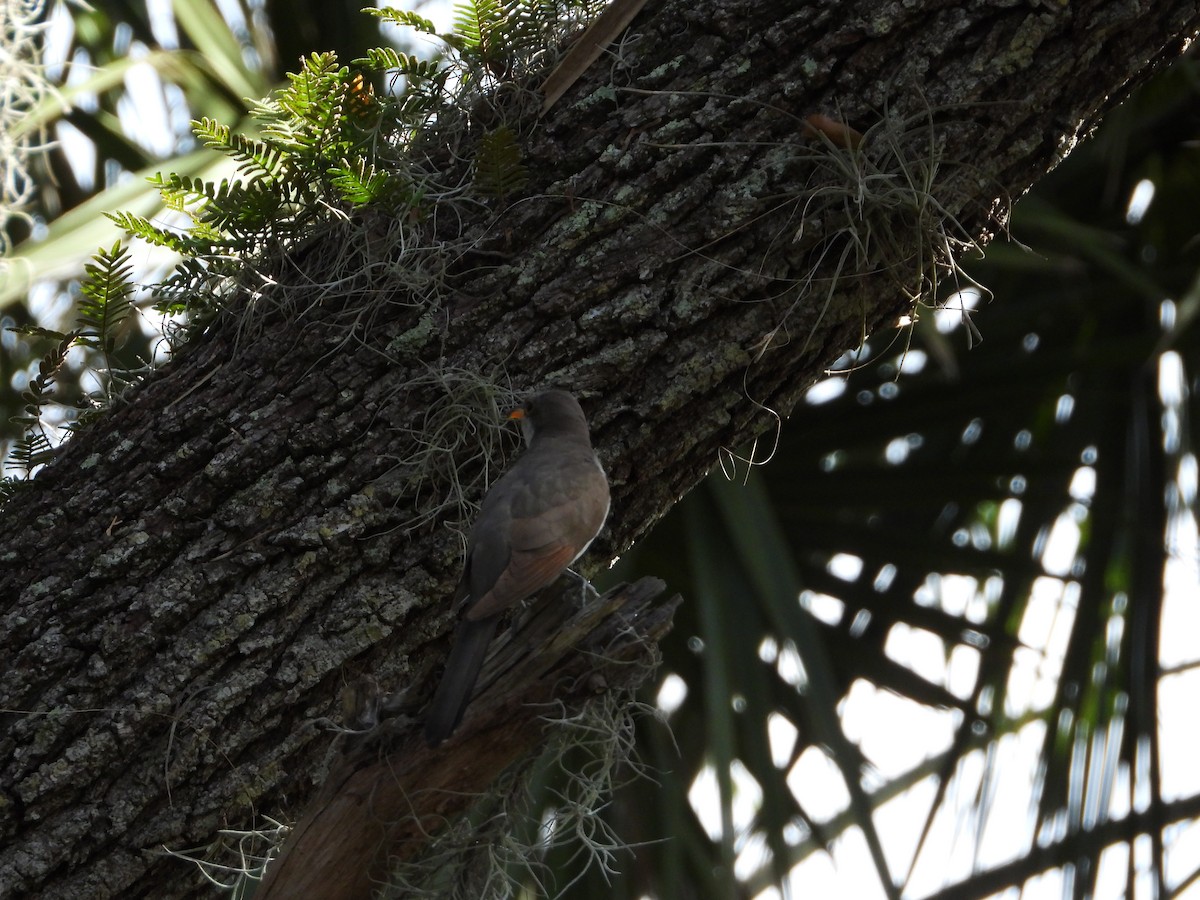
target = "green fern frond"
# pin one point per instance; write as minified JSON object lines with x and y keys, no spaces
{"x":416,"y":107}
{"x":388,"y":59}
{"x":106,"y":299}
{"x":498,"y":167}
{"x":36,"y":331}
{"x":30,"y":451}
{"x":306,"y":119}
{"x":244,"y":206}
{"x":310,"y":92}
{"x":483,"y":28}
{"x":257,"y":158}
{"x":34,"y":447}
{"x":291,"y":135}
{"x":361,"y":183}
{"x":184,"y":290}
{"x":105,"y":306}
{"x":215,"y":135}
{"x":180,"y":191}
{"x":203,"y":234}
{"x":41,"y":386}
{"x":471,"y":22}
{"x":143,"y":228}
{"x":403,"y":17}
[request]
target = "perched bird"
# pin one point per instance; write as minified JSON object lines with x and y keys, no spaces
{"x":535,"y":521}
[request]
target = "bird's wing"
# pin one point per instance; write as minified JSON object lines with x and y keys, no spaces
{"x":537,"y":558}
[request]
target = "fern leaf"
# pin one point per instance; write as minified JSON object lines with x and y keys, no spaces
{"x":360,"y":183}
{"x":30,"y":451}
{"x":389,"y":59}
{"x":36,"y":331}
{"x":246,"y":207}
{"x":498,"y":167}
{"x":403,"y":17}
{"x":257,"y":158}
{"x":310,"y":91}
{"x":106,"y":302}
{"x":34,"y":447}
{"x":467,"y":24}
{"x":481,"y":24}
{"x":485,"y":32}
{"x":136,"y":226}
{"x":180,"y":191}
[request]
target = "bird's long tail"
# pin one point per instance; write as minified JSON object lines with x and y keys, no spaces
{"x":458,"y":680}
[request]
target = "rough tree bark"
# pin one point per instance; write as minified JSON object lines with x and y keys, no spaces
{"x":192,"y":582}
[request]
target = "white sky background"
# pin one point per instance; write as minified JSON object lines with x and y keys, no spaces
{"x":894,"y":733}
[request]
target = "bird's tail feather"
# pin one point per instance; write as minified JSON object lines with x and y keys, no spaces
{"x":458,"y":680}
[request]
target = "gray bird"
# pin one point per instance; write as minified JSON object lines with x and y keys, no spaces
{"x":535,"y":521}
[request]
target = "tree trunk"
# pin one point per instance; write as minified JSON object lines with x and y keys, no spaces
{"x":194,"y":582}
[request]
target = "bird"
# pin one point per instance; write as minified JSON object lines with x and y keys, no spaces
{"x":539,"y":518}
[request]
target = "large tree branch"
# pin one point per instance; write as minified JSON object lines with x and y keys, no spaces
{"x":388,"y":791}
{"x":199,"y":574}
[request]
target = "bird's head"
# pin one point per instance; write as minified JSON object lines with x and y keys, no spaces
{"x":550,"y":413}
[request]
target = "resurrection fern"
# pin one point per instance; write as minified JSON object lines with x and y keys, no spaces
{"x":35,"y":447}
{"x":415,"y":70}
{"x":106,"y":305}
{"x":325,"y":147}
{"x":498,"y":168}
{"x":257,"y":160}
{"x":361,"y":183}
{"x":478,"y":24}
{"x":481,"y":32}
{"x":104,"y":309}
